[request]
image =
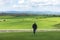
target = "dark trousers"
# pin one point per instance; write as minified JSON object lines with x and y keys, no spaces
{"x":34,"y":30}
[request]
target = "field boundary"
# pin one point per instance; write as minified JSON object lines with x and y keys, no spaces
{"x":27,"y":30}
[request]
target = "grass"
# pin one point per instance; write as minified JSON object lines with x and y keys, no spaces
{"x":25,"y":22}
{"x":29,"y":36}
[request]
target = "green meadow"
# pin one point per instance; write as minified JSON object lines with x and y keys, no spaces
{"x":25,"y":22}
{"x":29,"y":36}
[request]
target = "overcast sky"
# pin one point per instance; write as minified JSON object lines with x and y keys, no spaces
{"x":30,"y":5}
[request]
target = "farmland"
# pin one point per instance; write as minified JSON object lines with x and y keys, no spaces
{"x":25,"y":22}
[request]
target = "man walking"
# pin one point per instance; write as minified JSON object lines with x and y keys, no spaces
{"x":34,"y":26}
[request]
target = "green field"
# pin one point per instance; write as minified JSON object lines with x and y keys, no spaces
{"x":25,"y":22}
{"x":29,"y":36}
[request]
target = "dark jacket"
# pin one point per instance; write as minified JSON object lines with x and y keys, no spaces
{"x":34,"y":26}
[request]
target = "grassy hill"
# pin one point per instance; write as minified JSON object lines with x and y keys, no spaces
{"x":25,"y":22}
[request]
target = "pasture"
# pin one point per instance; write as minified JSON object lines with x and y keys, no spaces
{"x":29,"y":36}
{"x":25,"y":22}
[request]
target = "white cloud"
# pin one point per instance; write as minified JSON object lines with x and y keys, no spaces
{"x":21,"y":1}
{"x":2,"y":2}
{"x":22,"y":4}
{"x":38,"y":0}
{"x":5,"y":3}
{"x":21,"y":7}
{"x":45,"y":2}
{"x":30,"y":4}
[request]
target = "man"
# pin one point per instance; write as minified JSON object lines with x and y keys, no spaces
{"x":34,"y":26}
